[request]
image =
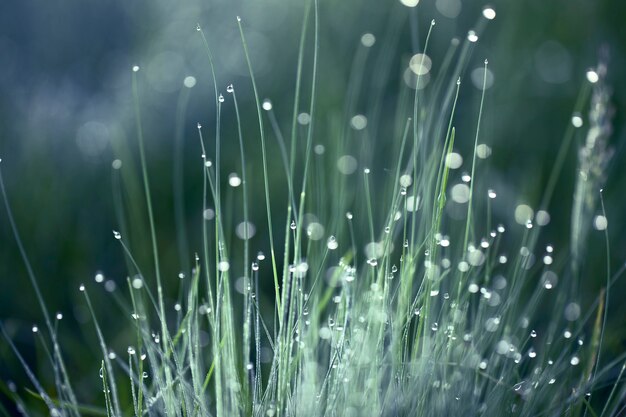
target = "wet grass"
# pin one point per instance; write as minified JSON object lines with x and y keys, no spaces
{"x":396,"y":292}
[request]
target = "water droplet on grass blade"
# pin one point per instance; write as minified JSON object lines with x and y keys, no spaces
{"x":489,"y":13}
{"x":592,"y":76}
{"x":577,"y":120}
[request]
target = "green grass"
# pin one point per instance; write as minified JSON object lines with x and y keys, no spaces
{"x":386,"y":302}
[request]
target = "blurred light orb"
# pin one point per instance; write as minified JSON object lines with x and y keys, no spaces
{"x":304,"y":118}
{"x":420,"y":64}
{"x":549,"y":280}
{"x":479,"y":78}
{"x":412,"y":203}
{"x":489,"y":13}
{"x":234,"y":180}
{"x":553,"y":63}
{"x":542,"y":218}
{"x":410,"y":3}
{"x":600,"y":222}
{"x":414,"y":81}
{"x":572,"y":311}
{"x":189,"y":81}
{"x":368,"y":40}
{"x":449,"y":8}
{"x":483,"y":151}
{"x":454,"y":160}
{"x":116,"y":164}
{"x":137,"y":283}
{"x":406,"y":180}
{"x":135,"y":68}
{"x":358,"y":122}
{"x":319,"y":149}
{"x":267,"y":104}
{"x":208,"y":214}
{"x":523,"y":214}
{"x":476,"y":257}
{"x":347,"y":164}
{"x":315,"y":231}
{"x":374,"y":250}
{"x":460,"y":193}
{"x":243,"y":228}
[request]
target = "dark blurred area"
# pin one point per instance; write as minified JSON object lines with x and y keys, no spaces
{"x":66,"y":113}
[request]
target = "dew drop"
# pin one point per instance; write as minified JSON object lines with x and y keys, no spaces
{"x":117,"y":235}
{"x":577,"y":120}
{"x":267,"y":104}
{"x":81,"y":288}
{"x":198,"y":28}
{"x":472,"y":36}
{"x":59,"y":316}
{"x":489,"y":13}
{"x":592,"y":76}
{"x":135,"y":68}
{"x":230,"y":88}
{"x":35,"y":329}
{"x":220,"y":98}
{"x":332,"y":243}
{"x":144,"y":375}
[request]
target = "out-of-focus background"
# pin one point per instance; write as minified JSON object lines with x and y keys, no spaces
{"x":66,"y":113}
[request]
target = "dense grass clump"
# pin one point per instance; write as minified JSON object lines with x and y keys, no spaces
{"x":395,"y":291}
